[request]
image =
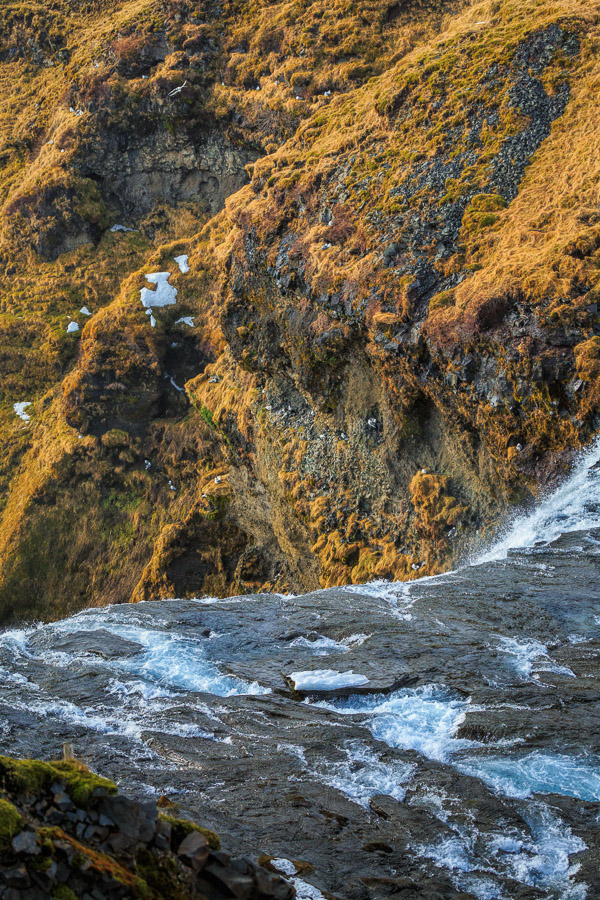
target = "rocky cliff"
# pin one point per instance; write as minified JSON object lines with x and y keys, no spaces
{"x":371,"y":326}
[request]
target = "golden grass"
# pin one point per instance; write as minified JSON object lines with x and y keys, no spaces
{"x":348,"y":151}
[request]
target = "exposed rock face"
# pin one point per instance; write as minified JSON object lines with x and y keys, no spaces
{"x":166,"y":168}
{"x":383,"y":340}
{"x":65,"y":833}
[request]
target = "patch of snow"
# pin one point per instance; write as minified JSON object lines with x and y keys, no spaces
{"x":20,"y":408}
{"x":182,"y":262}
{"x":286,"y":866}
{"x":164,"y":295}
{"x":85,"y":311}
{"x":147,"y":464}
{"x":121,"y":228}
{"x":326,"y":680}
{"x":176,"y":386}
{"x":72,"y":327}
{"x":306,"y":891}
{"x":185,"y":320}
{"x":152,"y":321}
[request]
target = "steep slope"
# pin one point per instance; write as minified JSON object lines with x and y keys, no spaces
{"x":376,"y":345}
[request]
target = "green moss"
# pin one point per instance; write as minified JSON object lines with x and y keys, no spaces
{"x":180,"y":828}
{"x":206,"y":414}
{"x":90,"y":205}
{"x":81,"y":783}
{"x":481,"y":213}
{"x":159,"y":875}
{"x":62,"y":892}
{"x":11,"y":823}
{"x":29,"y":776}
{"x":25,"y":776}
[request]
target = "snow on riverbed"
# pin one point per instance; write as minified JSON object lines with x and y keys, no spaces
{"x":326,"y":680}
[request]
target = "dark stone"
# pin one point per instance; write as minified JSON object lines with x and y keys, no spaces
{"x":161,"y":842}
{"x":135,"y":820}
{"x":194,"y":850}
{"x":26,"y":842}
{"x":17,"y":877}
{"x":377,"y":847}
{"x":62,"y":801}
{"x":121,"y":843}
{"x":390,"y":253}
{"x":239,"y":885}
{"x":54,"y":816}
{"x":46,"y":878}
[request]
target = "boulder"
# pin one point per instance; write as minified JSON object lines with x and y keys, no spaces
{"x":194,"y":850}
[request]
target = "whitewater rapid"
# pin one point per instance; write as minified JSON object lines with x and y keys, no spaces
{"x":573,"y":506}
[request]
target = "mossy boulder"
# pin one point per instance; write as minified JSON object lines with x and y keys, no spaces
{"x":180,"y":828}
{"x":11,"y":823}
{"x":31,"y":776}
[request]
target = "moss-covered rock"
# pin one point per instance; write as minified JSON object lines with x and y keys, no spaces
{"x":31,"y":776}
{"x":180,"y":828}
{"x":11,"y":823}
{"x":121,"y":848}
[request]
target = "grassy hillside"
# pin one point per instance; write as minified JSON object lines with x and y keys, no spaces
{"x":391,"y":221}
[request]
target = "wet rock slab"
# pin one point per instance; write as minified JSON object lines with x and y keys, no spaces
{"x":100,"y":642}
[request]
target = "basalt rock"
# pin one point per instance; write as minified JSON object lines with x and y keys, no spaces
{"x":107,"y":845}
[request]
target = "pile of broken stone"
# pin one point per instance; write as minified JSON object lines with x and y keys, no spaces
{"x":116,"y":847}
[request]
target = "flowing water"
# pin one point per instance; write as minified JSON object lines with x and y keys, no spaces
{"x":460,"y":759}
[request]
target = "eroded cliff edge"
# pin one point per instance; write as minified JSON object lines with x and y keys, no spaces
{"x":381,"y":341}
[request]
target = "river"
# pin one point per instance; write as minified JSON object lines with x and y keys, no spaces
{"x":460,"y":759}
